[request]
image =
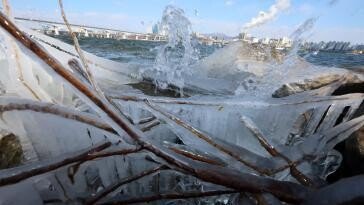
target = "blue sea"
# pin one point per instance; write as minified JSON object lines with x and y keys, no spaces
{"x":130,"y":51}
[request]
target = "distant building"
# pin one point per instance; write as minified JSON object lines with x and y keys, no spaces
{"x":330,"y":45}
{"x":265,"y":41}
{"x":245,"y":37}
{"x":254,"y":40}
{"x":155,"y":29}
{"x":285,"y":42}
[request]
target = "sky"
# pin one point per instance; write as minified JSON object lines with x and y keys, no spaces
{"x":340,"y":20}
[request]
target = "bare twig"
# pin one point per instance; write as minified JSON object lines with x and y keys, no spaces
{"x":195,"y":156}
{"x":222,"y":148}
{"x":79,"y":51}
{"x":127,"y":180}
{"x":221,"y":102}
{"x":15,"y":50}
{"x":163,"y":101}
{"x":169,"y":195}
{"x":11,"y":176}
{"x":274,"y":152}
{"x":58,"y":111}
{"x":72,"y":170}
{"x":148,"y":126}
{"x":208,"y":139}
{"x":6,"y":7}
{"x":345,"y":191}
{"x":116,"y":152}
{"x":146,"y":120}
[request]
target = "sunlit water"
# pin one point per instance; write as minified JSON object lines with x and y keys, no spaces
{"x":129,"y":51}
{"x":145,"y":52}
{"x":340,"y":60}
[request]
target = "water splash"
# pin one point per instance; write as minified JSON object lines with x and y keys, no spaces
{"x":282,"y":71}
{"x":173,"y":61}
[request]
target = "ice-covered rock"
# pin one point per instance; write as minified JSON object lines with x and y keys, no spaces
{"x":11,"y":153}
{"x":315,"y":83}
{"x":248,"y":70}
{"x":354,"y":151}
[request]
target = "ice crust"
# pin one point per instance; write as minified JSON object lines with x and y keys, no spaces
{"x":25,"y":79}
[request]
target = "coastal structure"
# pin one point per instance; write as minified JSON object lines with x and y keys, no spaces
{"x":211,"y":40}
{"x":57,"y":28}
{"x":283,"y":43}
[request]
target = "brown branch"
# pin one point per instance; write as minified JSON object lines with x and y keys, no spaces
{"x":124,"y":181}
{"x":346,"y":191}
{"x":275,"y":153}
{"x":161,"y":100}
{"x":195,"y":156}
{"x":11,"y":176}
{"x":283,"y":190}
{"x":170,"y":195}
{"x":149,"y":126}
{"x":109,"y":153}
{"x":243,"y":182}
{"x":208,"y":139}
{"x":220,"y":102}
{"x":72,"y":170}
{"x":146,"y":120}
{"x":58,"y":111}
{"x":6,"y":7}
{"x":296,"y":173}
{"x":15,"y":50}
{"x":79,"y":50}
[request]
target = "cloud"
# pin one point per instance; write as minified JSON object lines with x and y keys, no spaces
{"x":229,"y":2}
{"x":264,"y":17}
{"x":333,"y":2}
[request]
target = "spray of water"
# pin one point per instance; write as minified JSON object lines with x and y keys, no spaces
{"x":277,"y":73}
{"x":174,"y":59}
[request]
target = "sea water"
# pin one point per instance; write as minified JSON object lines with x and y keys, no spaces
{"x":145,"y":52}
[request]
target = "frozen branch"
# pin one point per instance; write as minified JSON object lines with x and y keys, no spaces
{"x":14,"y":175}
{"x":72,"y":170}
{"x":217,"y":144}
{"x":6,"y":7}
{"x":146,"y":120}
{"x":274,"y":152}
{"x":196,"y":156}
{"x":220,"y":102}
{"x":345,"y":191}
{"x":11,"y":104}
{"x":169,"y":195}
{"x":79,"y":50}
{"x":15,"y":50}
{"x":148,"y":126}
{"x":124,"y":181}
{"x":162,"y":100}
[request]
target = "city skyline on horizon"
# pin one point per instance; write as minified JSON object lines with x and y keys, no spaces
{"x":336,"y":20}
